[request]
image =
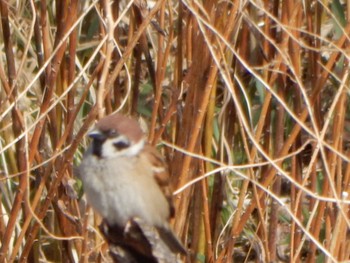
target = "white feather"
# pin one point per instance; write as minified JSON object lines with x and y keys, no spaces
{"x":110,"y":151}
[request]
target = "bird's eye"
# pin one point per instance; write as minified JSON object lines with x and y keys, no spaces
{"x":120,"y":145}
{"x":112,"y":133}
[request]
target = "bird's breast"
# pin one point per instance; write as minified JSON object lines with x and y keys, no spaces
{"x":122,"y":188}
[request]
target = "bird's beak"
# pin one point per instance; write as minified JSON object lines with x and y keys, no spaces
{"x":97,"y":135}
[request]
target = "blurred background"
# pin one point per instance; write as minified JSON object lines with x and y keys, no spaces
{"x":246,"y":100}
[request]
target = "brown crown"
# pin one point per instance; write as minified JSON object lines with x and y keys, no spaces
{"x":122,"y":125}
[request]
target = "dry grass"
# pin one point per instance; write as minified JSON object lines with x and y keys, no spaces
{"x":249,"y":99}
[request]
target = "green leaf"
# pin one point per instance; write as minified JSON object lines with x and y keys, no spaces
{"x":339,"y":17}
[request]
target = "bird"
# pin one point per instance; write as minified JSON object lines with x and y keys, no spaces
{"x":124,"y":177}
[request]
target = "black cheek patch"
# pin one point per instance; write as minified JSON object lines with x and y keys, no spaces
{"x":121,"y":145}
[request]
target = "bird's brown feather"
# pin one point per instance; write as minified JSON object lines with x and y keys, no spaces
{"x":161,"y":175}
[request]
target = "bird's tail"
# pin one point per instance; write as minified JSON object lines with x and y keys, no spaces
{"x":170,"y":239}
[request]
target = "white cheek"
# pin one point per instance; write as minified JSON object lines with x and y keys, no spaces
{"x":134,"y":149}
{"x":110,"y":151}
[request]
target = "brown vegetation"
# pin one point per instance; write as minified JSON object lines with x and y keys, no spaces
{"x":248,"y":101}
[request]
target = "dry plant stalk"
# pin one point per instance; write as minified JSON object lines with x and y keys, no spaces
{"x":248,"y":101}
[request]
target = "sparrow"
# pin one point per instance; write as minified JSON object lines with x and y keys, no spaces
{"x":124,"y":178}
